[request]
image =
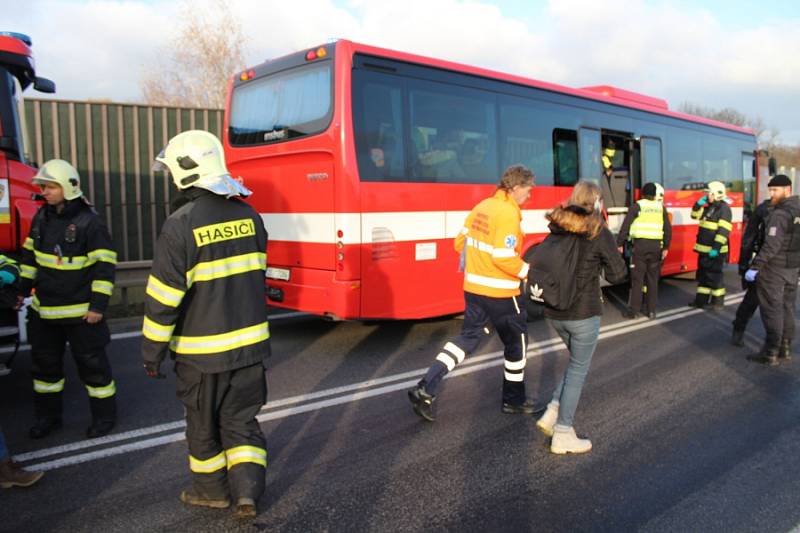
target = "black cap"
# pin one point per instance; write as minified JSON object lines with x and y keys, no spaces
{"x":780,"y":180}
{"x":649,"y":189}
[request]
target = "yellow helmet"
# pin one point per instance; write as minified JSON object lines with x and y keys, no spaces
{"x":716,"y":191}
{"x":62,"y":174}
{"x":195,"y":158}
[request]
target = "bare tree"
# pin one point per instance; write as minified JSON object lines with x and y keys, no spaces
{"x":193,"y":70}
{"x":767,"y":137}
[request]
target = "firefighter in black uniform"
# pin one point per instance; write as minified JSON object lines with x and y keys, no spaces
{"x":68,"y":260}
{"x":776,"y":268}
{"x":712,"y":245}
{"x":647,"y":226}
{"x":205,"y":306}
{"x":752,"y":240}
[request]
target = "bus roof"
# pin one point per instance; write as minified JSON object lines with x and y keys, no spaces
{"x":602,"y":93}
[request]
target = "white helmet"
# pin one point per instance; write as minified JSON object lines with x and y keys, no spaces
{"x":659,"y":193}
{"x":62,"y":174}
{"x":194,"y":158}
{"x":716,"y":191}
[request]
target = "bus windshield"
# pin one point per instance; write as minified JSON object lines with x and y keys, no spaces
{"x":286,"y":105}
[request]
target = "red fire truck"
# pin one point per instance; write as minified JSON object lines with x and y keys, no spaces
{"x":17,"y":204}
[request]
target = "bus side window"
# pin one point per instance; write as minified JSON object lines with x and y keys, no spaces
{"x":565,"y":157}
{"x":379,"y":130}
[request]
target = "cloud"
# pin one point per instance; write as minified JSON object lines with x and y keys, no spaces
{"x":96,"y":49}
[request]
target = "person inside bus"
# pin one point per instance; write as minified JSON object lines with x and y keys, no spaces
{"x":614,"y":183}
{"x":471,"y":159}
{"x":441,"y":161}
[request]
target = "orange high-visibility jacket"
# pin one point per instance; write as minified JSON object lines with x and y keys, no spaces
{"x":492,"y":235}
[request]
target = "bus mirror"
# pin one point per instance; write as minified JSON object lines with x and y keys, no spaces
{"x":43,"y":85}
{"x":773,"y":166}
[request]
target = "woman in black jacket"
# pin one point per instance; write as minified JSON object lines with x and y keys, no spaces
{"x":579,"y":326}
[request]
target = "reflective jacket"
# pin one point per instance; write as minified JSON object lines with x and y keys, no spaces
{"x":69,"y":260}
{"x":491,"y":240}
{"x":646,"y":219}
{"x":9,"y":265}
{"x":205,"y":299}
{"x":715,"y":227}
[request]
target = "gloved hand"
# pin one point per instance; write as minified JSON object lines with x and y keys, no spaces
{"x":702,"y":201}
{"x":6,"y":278}
{"x":152,"y":370}
{"x":750,"y":275}
{"x":713,"y":253}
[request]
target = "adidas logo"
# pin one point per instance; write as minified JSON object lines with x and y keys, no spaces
{"x":536,"y":293}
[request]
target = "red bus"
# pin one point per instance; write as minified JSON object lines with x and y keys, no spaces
{"x":365,"y":162}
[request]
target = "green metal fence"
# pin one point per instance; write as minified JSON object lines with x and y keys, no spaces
{"x":113,"y":145}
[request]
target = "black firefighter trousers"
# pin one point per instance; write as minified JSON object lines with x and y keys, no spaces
{"x":87,"y":343}
{"x":645,"y":272}
{"x":509,"y":318}
{"x":227,"y":450}
{"x":710,"y":280}
{"x":777,"y":290}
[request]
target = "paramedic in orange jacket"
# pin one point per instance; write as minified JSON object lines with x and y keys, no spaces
{"x":490,"y":243}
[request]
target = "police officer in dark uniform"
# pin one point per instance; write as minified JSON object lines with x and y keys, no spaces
{"x":711,"y":246}
{"x":776,"y":268}
{"x":752,"y":240}
{"x":205,"y":307}
{"x":647,"y":226}
{"x":69,"y":261}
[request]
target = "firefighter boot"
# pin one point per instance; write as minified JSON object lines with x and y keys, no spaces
{"x":785,"y":350}
{"x":245,"y":508}
{"x":565,"y":441}
{"x":767,"y":356}
{"x":422,"y":403}
{"x":13,"y":475}
{"x":192,"y":497}
{"x":104,"y":416}
{"x":700,"y":301}
{"x":718,"y":303}
{"x":43,"y":426}
{"x":548,"y":420}
{"x":737,"y":337}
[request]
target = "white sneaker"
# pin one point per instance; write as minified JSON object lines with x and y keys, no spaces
{"x":548,"y":419}
{"x":4,"y":370}
{"x":565,"y":441}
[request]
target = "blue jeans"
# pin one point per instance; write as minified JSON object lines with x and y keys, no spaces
{"x":3,"y":448}
{"x":580,"y":336}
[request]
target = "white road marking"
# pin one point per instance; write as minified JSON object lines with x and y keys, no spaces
{"x":138,"y":333}
{"x":473,"y":364}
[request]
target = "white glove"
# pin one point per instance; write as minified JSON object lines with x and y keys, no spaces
{"x":750,"y":275}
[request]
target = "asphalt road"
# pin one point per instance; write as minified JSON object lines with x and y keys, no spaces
{"x":687,"y":434}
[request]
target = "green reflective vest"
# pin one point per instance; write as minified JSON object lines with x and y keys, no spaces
{"x":650,"y":222}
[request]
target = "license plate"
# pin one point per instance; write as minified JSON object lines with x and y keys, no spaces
{"x":278,"y":273}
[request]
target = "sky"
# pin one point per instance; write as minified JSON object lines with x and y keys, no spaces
{"x":713,"y":53}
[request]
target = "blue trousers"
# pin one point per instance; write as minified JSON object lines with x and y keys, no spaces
{"x":580,"y":336}
{"x":509,"y":318}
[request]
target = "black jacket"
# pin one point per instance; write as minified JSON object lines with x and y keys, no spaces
{"x":69,"y":260}
{"x":781,"y":246}
{"x":205,"y":300}
{"x":753,"y":237}
{"x":598,"y":255}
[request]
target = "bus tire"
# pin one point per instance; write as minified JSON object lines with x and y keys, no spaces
{"x":534,"y":310}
